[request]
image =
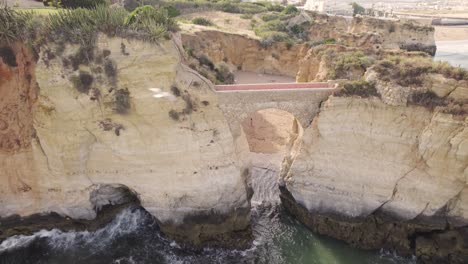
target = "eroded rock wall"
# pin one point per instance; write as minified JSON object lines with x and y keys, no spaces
{"x":374,"y":33}
{"x":96,"y":122}
{"x":245,"y":53}
{"x":379,"y":175}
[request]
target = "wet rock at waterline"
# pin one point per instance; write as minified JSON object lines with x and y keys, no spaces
{"x":79,"y":118}
{"x":382,"y":176}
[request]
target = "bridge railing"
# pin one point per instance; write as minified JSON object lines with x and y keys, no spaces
{"x":272,"y":86}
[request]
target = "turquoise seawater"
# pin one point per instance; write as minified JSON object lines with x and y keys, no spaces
{"x":134,"y":237}
{"x":455,"y":52}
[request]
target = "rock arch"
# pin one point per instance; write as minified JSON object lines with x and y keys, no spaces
{"x":270,"y":139}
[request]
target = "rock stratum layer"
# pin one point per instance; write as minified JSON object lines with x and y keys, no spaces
{"x":383,"y":176}
{"x":94,"y":123}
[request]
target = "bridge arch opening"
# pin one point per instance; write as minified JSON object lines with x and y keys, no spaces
{"x":274,"y":138}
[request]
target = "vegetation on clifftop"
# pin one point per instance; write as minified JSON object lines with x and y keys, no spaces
{"x":360,"y":88}
{"x":81,"y":26}
{"x":236,"y":7}
{"x":412,"y":71}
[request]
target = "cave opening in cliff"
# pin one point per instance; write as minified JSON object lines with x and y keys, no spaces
{"x":274,"y":138}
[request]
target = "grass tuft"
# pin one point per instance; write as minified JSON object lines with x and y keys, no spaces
{"x":360,"y":88}
{"x":202,"y":21}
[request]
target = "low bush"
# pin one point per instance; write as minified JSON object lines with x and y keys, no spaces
{"x":171,"y":10}
{"x":270,"y":16}
{"x":449,"y":71}
{"x":360,"y":88}
{"x":202,"y":21}
{"x":345,"y":64}
{"x":122,"y":101}
{"x":81,"y":25}
{"x":290,"y":9}
{"x":405,"y":72}
{"x":174,"y":115}
{"x":268,"y":38}
{"x":16,"y":25}
{"x":223,"y":74}
{"x":74,"y":3}
{"x":274,"y":7}
{"x":204,"y":60}
{"x":273,"y":25}
{"x":82,"y":82}
{"x":246,"y":16}
{"x":427,"y":99}
{"x":175,"y":90}
{"x":322,"y":42}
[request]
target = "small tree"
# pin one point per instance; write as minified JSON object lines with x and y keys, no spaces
{"x":357,"y":9}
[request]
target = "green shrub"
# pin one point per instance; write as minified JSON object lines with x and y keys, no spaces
{"x":246,"y":16}
{"x":241,"y":8}
{"x":357,"y":9}
{"x":16,"y":25}
{"x":224,"y":74}
{"x":75,"y":3}
{"x":269,"y":17}
{"x":290,"y":9}
{"x":405,"y":72}
{"x":268,"y":38}
{"x":274,"y":25}
{"x":202,"y":21}
{"x":427,"y":99}
{"x":171,"y":10}
{"x":174,"y":115}
{"x":341,"y":64}
{"x":82,"y":25}
{"x":449,"y":71}
{"x":151,"y":23}
{"x":274,"y":7}
{"x":83,"y":81}
{"x":204,"y":60}
{"x":229,"y":7}
{"x":322,"y":42}
{"x":175,"y":90}
{"x":360,"y":88}
{"x":122,"y":101}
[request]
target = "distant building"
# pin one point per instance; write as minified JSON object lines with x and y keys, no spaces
{"x":338,"y":7}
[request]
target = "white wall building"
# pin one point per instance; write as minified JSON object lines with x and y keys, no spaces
{"x":339,"y":7}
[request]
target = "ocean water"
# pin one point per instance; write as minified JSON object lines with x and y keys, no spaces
{"x":134,"y":237}
{"x":455,"y":52}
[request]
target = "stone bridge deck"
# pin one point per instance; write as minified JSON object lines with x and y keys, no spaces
{"x":302,"y":100}
{"x":271,"y":86}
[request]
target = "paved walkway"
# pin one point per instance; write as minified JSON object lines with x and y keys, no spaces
{"x":271,"y":86}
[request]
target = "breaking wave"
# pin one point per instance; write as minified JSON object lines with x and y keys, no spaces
{"x":134,"y":237}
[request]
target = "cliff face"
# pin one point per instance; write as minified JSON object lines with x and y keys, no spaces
{"x":246,"y":53}
{"x":373,"y":33}
{"x":396,"y":34}
{"x":96,"y":123}
{"x":377,"y":174}
{"x":311,"y":61}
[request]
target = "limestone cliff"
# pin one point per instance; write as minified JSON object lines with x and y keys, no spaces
{"x":91,"y":121}
{"x":373,"y":33}
{"x":246,"y":53}
{"x":383,"y":175}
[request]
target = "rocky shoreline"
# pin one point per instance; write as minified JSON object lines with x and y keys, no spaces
{"x":430,"y":243}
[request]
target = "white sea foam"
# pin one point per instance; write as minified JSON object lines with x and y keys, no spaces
{"x":124,"y":223}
